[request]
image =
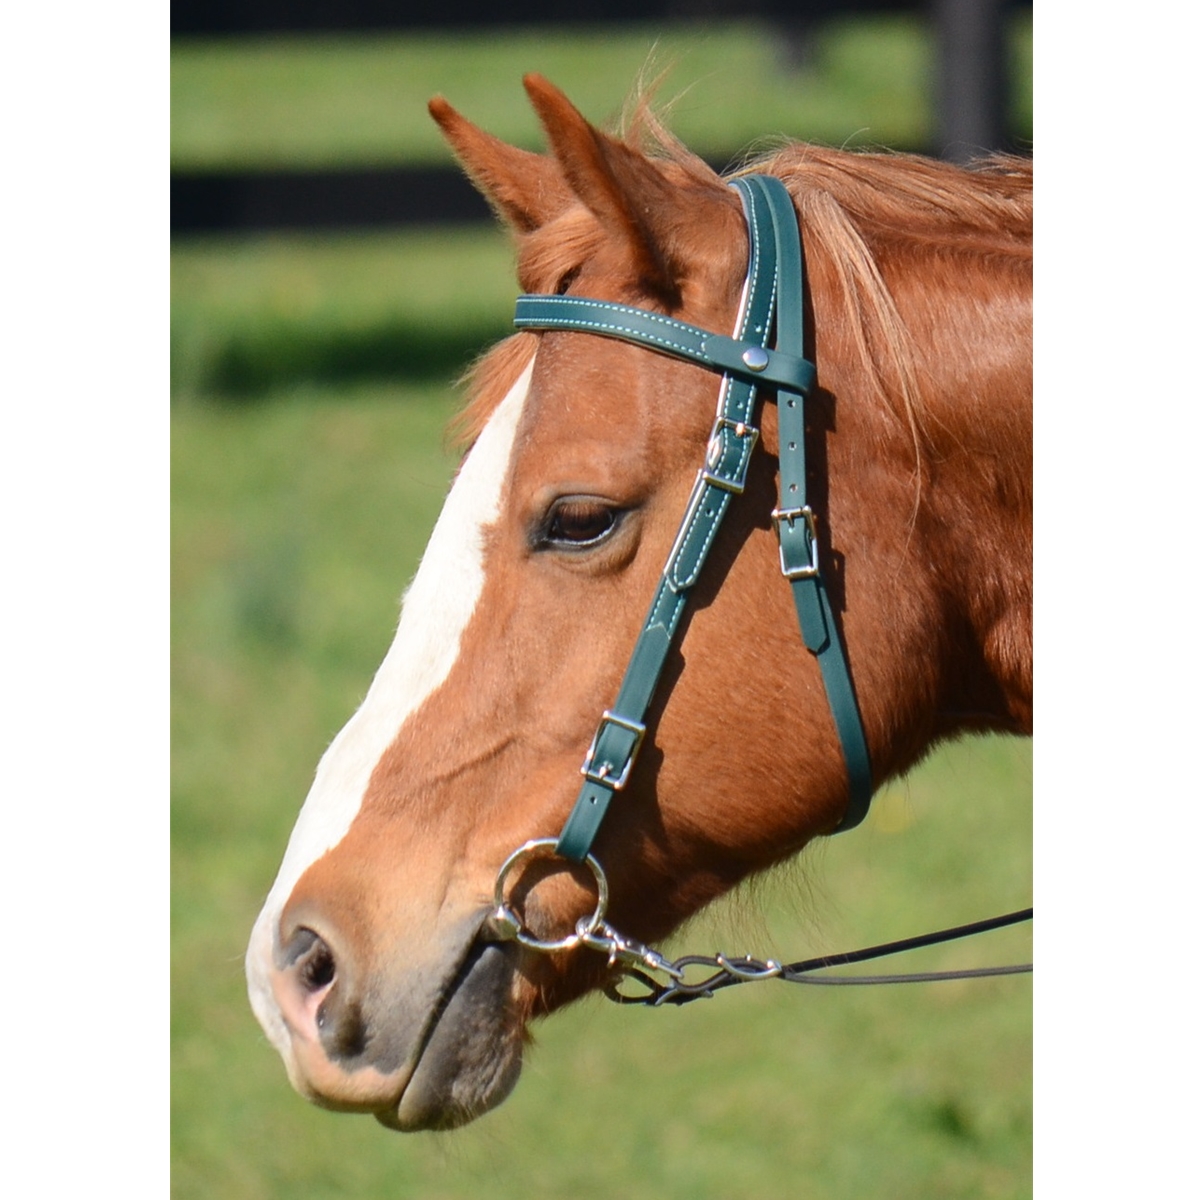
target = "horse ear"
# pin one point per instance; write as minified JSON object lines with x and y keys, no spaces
{"x":620,"y":185}
{"x":527,"y":190}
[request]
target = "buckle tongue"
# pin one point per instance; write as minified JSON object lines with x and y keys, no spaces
{"x":733,"y":477}
{"x":618,"y":753}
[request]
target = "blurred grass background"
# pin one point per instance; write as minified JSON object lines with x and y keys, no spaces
{"x":340,"y":101}
{"x":252,"y":314}
{"x":311,"y":382}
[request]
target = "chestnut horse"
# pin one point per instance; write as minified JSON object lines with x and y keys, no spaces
{"x":373,"y":967}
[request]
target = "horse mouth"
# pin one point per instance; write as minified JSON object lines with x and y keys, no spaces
{"x":469,"y":1057}
{"x":420,"y":1047}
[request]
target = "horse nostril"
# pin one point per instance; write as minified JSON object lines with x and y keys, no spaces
{"x":323,"y":1011}
{"x":318,"y":969}
{"x":311,"y":960}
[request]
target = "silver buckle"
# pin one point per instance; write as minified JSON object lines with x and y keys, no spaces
{"x":811,"y":569}
{"x":602,"y":775}
{"x":741,"y":429}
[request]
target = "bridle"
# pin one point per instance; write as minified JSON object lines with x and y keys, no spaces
{"x":771,"y":311}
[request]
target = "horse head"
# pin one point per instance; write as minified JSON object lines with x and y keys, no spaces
{"x":370,"y":966}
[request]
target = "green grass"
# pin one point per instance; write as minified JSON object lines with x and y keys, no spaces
{"x":295,"y":527}
{"x":354,"y":100}
{"x":250,"y":314}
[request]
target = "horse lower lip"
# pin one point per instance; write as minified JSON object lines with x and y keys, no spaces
{"x":471,"y":1056}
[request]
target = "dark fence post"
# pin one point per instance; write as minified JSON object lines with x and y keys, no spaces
{"x":972,"y":77}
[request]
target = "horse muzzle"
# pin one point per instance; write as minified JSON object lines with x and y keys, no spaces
{"x":428,"y":1041}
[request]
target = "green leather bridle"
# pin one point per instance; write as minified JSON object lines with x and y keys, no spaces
{"x":767,"y":349}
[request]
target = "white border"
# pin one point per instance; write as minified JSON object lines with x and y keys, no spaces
{"x":1116,"y":826}
{"x":84,"y":497}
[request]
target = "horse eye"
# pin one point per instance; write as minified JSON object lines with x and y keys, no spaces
{"x":579,"y":522}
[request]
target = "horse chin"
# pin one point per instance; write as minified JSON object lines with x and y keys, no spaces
{"x":468,"y":1066}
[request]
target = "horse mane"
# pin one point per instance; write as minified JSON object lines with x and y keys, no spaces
{"x":856,"y":208}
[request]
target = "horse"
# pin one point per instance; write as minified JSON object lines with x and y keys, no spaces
{"x":404,"y":949}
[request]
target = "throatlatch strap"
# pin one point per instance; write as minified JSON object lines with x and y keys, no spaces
{"x":797,"y":523}
{"x":745,"y":361}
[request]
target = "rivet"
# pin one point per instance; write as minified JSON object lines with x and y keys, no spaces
{"x":755,"y":358}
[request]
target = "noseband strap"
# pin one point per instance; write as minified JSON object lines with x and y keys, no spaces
{"x":767,"y":348}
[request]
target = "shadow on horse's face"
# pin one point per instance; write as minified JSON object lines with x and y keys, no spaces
{"x":366,"y":966}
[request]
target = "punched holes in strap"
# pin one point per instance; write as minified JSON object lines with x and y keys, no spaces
{"x":722,"y":476}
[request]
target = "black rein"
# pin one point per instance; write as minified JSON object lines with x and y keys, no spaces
{"x":727,"y":972}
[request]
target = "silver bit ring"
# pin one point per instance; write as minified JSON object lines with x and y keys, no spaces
{"x":505,"y":924}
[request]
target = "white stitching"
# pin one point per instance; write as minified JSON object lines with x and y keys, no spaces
{"x":748,"y":192}
{"x":580,"y":324}
{"x":714,"y":523}
{"x":646,"y":314}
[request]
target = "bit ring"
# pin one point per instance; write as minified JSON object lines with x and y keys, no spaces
{"x":506,"y":924}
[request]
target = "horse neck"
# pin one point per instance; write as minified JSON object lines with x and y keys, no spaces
{"x":980,"y":483}
{"x":940,"y":515}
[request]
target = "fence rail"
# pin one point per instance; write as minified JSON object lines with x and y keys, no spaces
{"x":971,"y":96}
{"x":225,"y":17}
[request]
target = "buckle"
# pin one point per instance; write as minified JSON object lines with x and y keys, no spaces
{"x":810,"y":569}
{"x":603,"y":775}
{"x":716,"y":451}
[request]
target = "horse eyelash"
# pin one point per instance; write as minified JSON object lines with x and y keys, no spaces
{"x":565,"y":282}
{"x":543,"y":541}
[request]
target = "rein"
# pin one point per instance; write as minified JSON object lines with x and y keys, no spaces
{"x":728,"y":972}
{"x":771,"y":311}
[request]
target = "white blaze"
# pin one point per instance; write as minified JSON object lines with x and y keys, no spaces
{"x":435,"y":611}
